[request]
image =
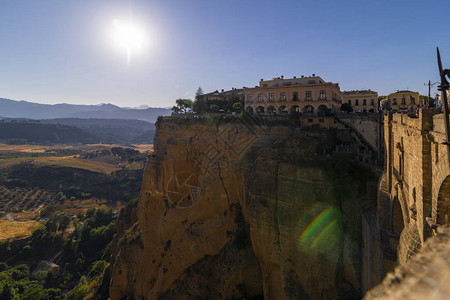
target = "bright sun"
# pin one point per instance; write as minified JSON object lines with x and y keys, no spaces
{"x":128,"y":36}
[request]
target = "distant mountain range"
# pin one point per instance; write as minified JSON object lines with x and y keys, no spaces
{"x":112,"y":131}
{"x":27,"y":133}
{"x":24,"y":109}
{"x":74,"y":131}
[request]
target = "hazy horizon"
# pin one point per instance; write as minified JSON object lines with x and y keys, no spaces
{"x":142,"y":106}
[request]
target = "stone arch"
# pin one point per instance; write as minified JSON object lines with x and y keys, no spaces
{"x":249,"y":109}
{"x":322,"y":109}
{"x":397,"y":222}
{"x":260,"y":109}
{"x":295,"y":108}
{"x":271,"y":110}
{"x":283,"y":109}
{"x":443,"y":203}
{"x":308,"y":109}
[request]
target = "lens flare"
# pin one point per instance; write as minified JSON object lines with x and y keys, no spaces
{"x":320,"y":230}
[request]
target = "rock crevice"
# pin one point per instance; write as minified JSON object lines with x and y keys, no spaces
{"x":247,"y":215}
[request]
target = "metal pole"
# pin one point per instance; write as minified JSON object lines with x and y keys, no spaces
{"x":429,"y":88}
{"x":443,"y":87}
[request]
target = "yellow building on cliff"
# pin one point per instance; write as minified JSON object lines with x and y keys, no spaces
{"x":403,"y":101}
{"x":361,"y":101}
{"x":306,"y":95}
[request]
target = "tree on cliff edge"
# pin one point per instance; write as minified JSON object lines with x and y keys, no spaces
{"x":346,"y":107}
{"x":183,"y":106}
{"x":200,"y":106}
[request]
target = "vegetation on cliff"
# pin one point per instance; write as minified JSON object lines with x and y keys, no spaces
{"x":82,"y":255}
{"x":70,"y":217}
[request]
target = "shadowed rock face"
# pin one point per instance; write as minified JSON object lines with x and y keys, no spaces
{"x":424,"y":276}
{"x":241,"y":210}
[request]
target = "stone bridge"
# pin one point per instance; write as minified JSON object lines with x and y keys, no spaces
{"x":414,"y":190}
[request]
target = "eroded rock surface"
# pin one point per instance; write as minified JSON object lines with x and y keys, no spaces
{"x":240,"y":210}
{"x":424,"y":276}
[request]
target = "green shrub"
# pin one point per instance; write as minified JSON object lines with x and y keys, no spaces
{"x":131,"y":236}
{"x":19,"y":272}
{"x":7,"y":289}
{"x":42,"y":275}
{"x":97,"y":269}
{"x":80,"y":291}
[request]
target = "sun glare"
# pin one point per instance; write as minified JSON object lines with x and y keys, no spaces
{"x":128,"y":36}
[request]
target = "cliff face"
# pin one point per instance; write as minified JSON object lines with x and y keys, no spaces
{"x":424,"y":276}
{"x":241,"y":209}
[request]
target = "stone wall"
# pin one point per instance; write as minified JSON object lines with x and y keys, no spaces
{"x":424,"y":276}
{"x":367,"y":125}
{"x":373,"y":269}
{"x":417,"y":165}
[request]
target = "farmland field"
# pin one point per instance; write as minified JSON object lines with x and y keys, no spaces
{"x":69,"y":179}
{"x":63,"y":161}
{"x":96,"y":157}
{"x":16,"y":230}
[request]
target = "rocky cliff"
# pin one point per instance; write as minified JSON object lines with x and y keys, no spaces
{"x":233,"y":209}
{"x":424,"y":276}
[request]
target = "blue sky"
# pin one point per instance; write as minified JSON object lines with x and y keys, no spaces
{"x":61,"y":51}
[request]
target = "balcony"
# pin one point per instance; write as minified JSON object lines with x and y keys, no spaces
{"x":322,"y":98}
{"x":308,"y":99}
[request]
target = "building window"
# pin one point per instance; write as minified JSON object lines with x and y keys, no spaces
{"x":308,"y":96}
{"x":364,"y":102}
{"x":270,"y":97}
{"x":295,"y":96}
{"x":323,"y":95}
{"x":394,"y":101}
{"x":249,"y":98}
{"x":356,"y":102}
{"x":349,"y":102}
{"x":372,"y":102}
{"x":260,"y":99}
{"x":283,"y":97}
{"x":413,"y":101}
{"x":403,"y":101}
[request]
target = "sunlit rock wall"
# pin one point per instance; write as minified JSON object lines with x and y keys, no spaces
{"x":237,"y":209}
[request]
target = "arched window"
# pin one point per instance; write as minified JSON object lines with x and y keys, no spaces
{"x":295,"y":108}
{"x":271,"y":110}
{"x":282,"y":109}
{"x":308,"y":109}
